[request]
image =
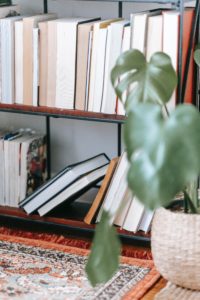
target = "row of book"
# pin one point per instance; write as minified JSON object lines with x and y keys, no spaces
{"x":66,"y":63}
{"x":113,"y":195}
{"x":22,"y":164}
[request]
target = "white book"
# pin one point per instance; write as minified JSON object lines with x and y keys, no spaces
{"x":154,"y":35}
{"x":88,"y":70}
{"x":60,"y":181}
{"x":139,"y":31}
{"x":116,"y":189}
{"x":134,"y":215}
{"x":100,"y":70}
{"x":71,"y":190}
{"x":113,"y":50}
{"x":19,"y":62}
{"x":126,"y":44}
{"x":146,"y":221}
{"x":170,"y":44}
{"x":66,"y":61}
{"x":7,"y":59}
{"x":95,"y":45}
{"x":35,"y":65}
{"x":125,"y":204}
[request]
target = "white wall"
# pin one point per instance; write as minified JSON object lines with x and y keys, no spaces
{"x":73,"y":140}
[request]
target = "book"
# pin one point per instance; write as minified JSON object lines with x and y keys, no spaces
{"x":134,"y":216}
{"x":93,"y":68}
{"x":145,"y":223}
{"x":35,"y":65}
{"x":29,"y":23}
{"x":7,"y":59}
{"x":81,"y":184}
{"x":66,"y":60}
{"x":82,"y":61}
{"x":43,"y":62}
{"x":154,"y":35}
{"x":91,"y":215}
{"x":19,"y":62}
{"x":100,"y":69}
{"x":113,"y":50}
{"x":60,"y":181}
{"x":125,"y":204}
{"x":116,"y":190}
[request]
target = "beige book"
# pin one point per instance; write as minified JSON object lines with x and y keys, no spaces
{"x":28,"y":24}
{"x":82,"y":63}
{"x":19,"y":62}
{"x":95,"y":45}
{"x":90,"y":217}
{"x":51,"y":63}
{"x":43,"y":65}
{"x":154,"y":35}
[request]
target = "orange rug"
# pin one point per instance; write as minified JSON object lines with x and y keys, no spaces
{"x":40,"y":270}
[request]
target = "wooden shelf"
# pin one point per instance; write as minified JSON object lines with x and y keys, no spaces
{"x":62,"y":113}
{"x":69,"y":219}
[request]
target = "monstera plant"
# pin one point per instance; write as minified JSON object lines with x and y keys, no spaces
{"x":163,"y":147}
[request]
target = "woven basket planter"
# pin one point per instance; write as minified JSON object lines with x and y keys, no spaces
{"x":176,"y":247}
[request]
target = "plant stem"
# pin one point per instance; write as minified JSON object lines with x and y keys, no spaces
{"x":166,"y":110}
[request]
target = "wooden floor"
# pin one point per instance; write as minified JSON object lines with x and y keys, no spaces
{"x":154,"y":290}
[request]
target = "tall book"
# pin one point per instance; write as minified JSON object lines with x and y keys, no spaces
{"x":7,"y":42}
{"x":92,"y":213}
{"x":29,"y":23}
{"x":116,"y":190}
{"x":82,"y":60}
{"x":113,"y":50}
{"x":60,"y":181}
{"x":19,"y":62}
{"x":93,"y":69}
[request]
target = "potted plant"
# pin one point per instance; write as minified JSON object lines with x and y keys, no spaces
{"x":164,"y":154}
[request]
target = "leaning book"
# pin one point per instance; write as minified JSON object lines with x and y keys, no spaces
{"x":64,"y":178}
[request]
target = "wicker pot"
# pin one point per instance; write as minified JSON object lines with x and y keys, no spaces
{"x":176,"y":247}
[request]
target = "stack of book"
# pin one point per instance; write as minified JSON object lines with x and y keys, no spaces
{"x":22,"y":164}
{"x":67,"y":185}
{"x":66,"y":63}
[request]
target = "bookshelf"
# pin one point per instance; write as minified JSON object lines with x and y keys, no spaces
{"x":72,"y":220}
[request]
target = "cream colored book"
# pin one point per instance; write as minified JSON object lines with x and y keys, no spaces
{"x":134,"y":216}
{"x":154,"y":35}
{"x":7,"y":58}
{"x":43,"y":62}
{"x":66,"y":61}
{"x":113,"y":50}
{"x":19,"y":62}
{"x":35,"y":65}
{"x":83,"y":44}
{"x":170,"y":44}
{"x":29,"y":23}
{"x":95,"y":44}
{"x":100,"y":70}
{"x":51,"y":65}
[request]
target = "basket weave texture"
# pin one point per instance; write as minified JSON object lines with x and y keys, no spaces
{"x":176,"y":247}
{"x":174,"y":292}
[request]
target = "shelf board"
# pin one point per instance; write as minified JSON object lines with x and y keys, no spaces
{"x":66,"y":223}
{"x":62,"y":113}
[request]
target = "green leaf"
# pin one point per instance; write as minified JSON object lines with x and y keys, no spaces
{"x":197,"y":55}
{"x":152,"y":81}
{"x":164,"y":154}
{"x":103,"y":261}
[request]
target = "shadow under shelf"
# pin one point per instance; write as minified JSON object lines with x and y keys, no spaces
{"x":67,"y":222}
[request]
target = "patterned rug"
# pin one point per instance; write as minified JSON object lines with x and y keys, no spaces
{"x":41,"y":270}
